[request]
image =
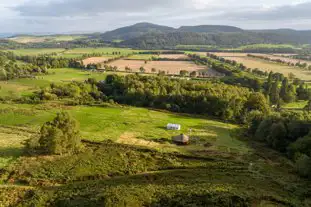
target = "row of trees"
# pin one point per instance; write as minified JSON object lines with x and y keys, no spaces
{"x":282,"y":61}
{"x":10,"y":69}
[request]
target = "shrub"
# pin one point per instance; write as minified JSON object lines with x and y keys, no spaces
{"x":59,"y":136}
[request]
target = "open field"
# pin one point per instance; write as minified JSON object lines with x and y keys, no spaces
{"x":275,"y":67}
{"x":296,"y":105}
{"x":94,"y":60}
{"x":230,"y":54}
{"x":107,"y":50}
{"x":172,"y":67}
{"x":37,"y":51}
{"x":38,"y":39}
{"x":286,"y":59}
{"x":141,"y":57}
{"x":141,"y":164}
{"x":174,"y":56}
{"x":20,"y":87}
{"x":121,"y":123}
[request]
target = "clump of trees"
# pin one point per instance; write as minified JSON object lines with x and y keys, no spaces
{"x":230,"y":103}
{"x":60,"y":136}
{"x":287,"y":132}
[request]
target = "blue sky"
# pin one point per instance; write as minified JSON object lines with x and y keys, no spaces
{"x":102,"y":15}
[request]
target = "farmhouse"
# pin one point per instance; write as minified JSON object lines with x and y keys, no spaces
{"x":173,"y":127}
{"x":181,"y":139}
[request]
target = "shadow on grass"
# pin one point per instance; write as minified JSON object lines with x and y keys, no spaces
{"x":8,"y":152}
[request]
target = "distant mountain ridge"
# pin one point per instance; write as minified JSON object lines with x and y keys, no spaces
{"x":209,"y":29}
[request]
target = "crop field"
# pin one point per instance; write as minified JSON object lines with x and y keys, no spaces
{"x":286,"y":59}
{"x":230,"y":54}
{"x":275,"y":67}
{"x":171,"y":67}
{"x":174,"y":56}
{"x":94,"y":60}
{"x":141,"y":57}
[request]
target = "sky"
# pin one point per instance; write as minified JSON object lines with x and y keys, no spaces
{"x":66,"y":16}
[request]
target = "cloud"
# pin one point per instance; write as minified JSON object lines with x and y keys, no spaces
{"x":287,"y":12}
{"x":103,"y":15}
{"x":93,"y":7}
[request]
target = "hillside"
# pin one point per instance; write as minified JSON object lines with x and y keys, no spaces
{"x":135,"y":31}
{"x":209,"y":29}
{"x":169,"y":40}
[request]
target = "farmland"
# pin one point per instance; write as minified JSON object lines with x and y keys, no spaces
{"x":170,"y":67}
{"x":269,"y":66}
{"x":94,"y":60}
{"x":127,"y":156}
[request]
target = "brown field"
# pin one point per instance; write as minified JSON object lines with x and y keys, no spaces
{"x":170,"y":67}
{"x":94,"y":60}
{"x":286,"y":59}
{"x":269,"y":66}
{"x":174,"y":56}
{"x":230,"y":54}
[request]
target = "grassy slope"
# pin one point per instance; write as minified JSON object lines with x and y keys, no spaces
{"x":214,"y":168}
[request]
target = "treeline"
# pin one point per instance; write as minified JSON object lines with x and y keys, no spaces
{"x":46,"y":61}
{"x":230,"y":103}
{"x":278,"y":89}
{"x":298,"y":64}
{"x":232,"y":70}
{"x":11,"y":68}
{"x":287,"y":132}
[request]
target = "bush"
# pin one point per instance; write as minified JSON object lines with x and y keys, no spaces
{"x":59,"y":136}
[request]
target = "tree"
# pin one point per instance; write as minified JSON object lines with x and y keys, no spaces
{"x":308,"y":106}
{"x":275,"y":93}
{"x":183,"y":73}
{"x":59,"y":136}
{"x":257,"y":101}
{"x":193,"y":74}
{"x":3,"y":74}
{"x":153,"y":70}
{"x":142,"y":69}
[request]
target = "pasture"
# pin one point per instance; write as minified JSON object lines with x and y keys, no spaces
{"x":37,"y":51}
{"x":121,"y":124}
{"x":170,"y":67}
{"x":106,"y":50}
{"x":39,"y":39}
{"x":20,"y":87}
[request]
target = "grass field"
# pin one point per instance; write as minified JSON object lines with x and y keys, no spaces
{"x":19,"y":87}
{"x":121,"y":123}
{"x":296,"y":105}
{"x":107,"y":50}
{"x":38,"y":39}
{"x":142,"y":166}
{"x":37,"y":51}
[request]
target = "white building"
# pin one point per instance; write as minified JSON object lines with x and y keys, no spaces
{"x":173,"y":127}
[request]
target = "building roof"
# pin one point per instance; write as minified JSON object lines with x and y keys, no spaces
{"x":182,"y":138}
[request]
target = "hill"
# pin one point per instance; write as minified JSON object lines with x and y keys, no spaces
{"x":170,"y":40}
{"x":209,"y":29}
{"x":135,"y":31}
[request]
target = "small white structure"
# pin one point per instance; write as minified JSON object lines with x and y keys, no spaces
{"x":173,"y":127}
